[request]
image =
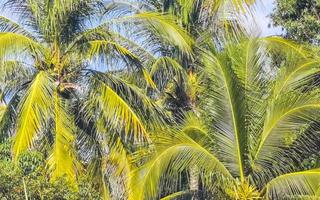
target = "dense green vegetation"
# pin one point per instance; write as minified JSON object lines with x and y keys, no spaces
{"x":140,"y":100}
{"x":299,"y":18}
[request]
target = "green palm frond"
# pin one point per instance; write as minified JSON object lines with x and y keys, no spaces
{"x":275,"y":104}
{"x":285,"y":119}
{"x":7,"y":25}
{"x":2,"y":111}
{"x":62,"y":161}
{"x":290,"y":46}
{"x":105,"y":46}
{"x":148,"y":79}
{"x":230,"y":108}
{"x":164,"y":26}
{"x":119,"y":112}
{"x":292,"y":102}
{"x":34,"y":110}
{"x":174,"y":152}
{"x":113,"y":99}
{"x":166,"y":67}
{"x":175,"y":195}
{"x":132,"y":95}
{"x":13,"y":68}
{"x":303,"y":183}
{"x":17,"y":43}
{"x":8,"y":119}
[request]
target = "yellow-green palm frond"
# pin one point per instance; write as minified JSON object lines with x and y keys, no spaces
{"x":175,"y":195}
{"x":164,"y":26}
{"x":130,"y":105}
{"x":148,"y":79}
{"x":292,"y":105}
{"x":9,"y":116}
{"x":120,"y":160}
{"x":56,"y":10}
{"x":114,"y":100}
{"x":7,"y":25}
{"x":13,"y":68}
{"x":298,"y":67}
{"x":286,"y":46}
{"x":229,"y":111}
{"x":290,"y":115}
{"x":166,"y":67}
{"x":62,"y":161}
{"x":270,"y":107}
{"x":174,"y":151}
{"x":209,"y":8}
{"x":194,"y":127}
{"x":141,"y":20}
{"x":294,"y":185}
{"x":120,"y":113}
{"x":34,"y":110}
{"x":11,"y":43}
{"x":105,"y":46}
{"x":2,"y":111}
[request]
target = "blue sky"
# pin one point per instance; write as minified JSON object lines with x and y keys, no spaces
{"x":262,"y":10}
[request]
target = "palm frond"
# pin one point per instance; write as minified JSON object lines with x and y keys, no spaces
{"x":2,"y":111}
{"x":62,"y":161}
{"x":7,"y":25}
{"x":175,"y":195}
{"x":295,"y":184}
{"x":14,"y":43}
{"x":34,"y":110}
{"x":175,"y":151}
{"x":164,"y":69}
{"x":118,"y":111}
{"x":285,"y":119}
{"x":229,"y":112}
{"x":113,"y":99}
{"x":104,"y":46}
{"x":164,"y":26}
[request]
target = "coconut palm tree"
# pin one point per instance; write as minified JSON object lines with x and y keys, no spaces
{"x":66,"y":84}
{"x":260,"y":120}
{"x":201,"y":19}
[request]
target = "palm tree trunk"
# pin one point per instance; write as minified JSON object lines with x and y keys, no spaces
{"x":194,"y":182}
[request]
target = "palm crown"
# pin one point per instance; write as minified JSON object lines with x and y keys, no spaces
{"x":261,"y":108}
{"x":72,"y":62}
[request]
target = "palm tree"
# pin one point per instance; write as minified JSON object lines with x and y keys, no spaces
{"x":202,"y":19}
{"x":260,"y":120}
{"x":67,"y":86}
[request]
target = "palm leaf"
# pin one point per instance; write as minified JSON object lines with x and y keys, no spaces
{"x":7,"y":25}
{"x":294,"y":185}
{"x":14,"y":43}
{"x":62,"y":160}
{"x":229,"y":112}
{"x":175,"y":195}
{"x":34,"y":109}
{"x":164,"y":26}
{"x":175,"y":151}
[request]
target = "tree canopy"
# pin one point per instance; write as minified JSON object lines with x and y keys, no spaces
{"x":154,"y":99}
{"x":299,"y":18}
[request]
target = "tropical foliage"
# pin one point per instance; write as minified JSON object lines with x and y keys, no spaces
{"x":300,"y":19}
{"x":72,"y":95}
{"x":140,"y":100}
{"x":261,"y":120}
